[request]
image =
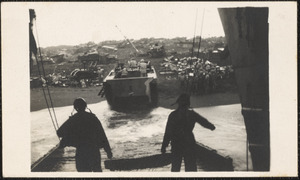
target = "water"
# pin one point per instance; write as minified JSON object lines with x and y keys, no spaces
{"x":131,"y":134}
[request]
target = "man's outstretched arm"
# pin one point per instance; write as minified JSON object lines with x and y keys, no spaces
{"x":103,"y":140}
{"x":204,"y":122}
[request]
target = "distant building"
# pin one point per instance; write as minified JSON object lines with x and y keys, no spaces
{"x":180,"y":39}
{"x":58,"y":58}
{"x":109,"y":48}
{"x":185,"y":44}
{"x":45,"y":58}
{"x":110,"y":43}
{"x":48,"y":60}
{"x":88,"y":57}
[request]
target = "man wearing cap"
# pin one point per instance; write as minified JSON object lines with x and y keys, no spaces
{"x":124,"y":73}
{"x":84,"y":131}
{"x":132,"y":64}
{"x":179,"y":131}
{"x":143,"y":68}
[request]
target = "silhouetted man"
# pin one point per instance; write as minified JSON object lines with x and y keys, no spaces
{"x":84,"y":131}
{"x":179,"y":131}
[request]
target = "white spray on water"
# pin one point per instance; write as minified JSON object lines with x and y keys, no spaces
{"x":229,"y":138}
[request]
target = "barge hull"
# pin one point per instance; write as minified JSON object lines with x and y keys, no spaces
{"x":131,"y":91}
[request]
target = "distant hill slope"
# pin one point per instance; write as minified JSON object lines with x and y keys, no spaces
{"x":72,"y":52}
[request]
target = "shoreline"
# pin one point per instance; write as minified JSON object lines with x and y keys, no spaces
{"x":65,"y":96}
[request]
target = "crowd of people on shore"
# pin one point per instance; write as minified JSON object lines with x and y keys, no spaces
{"x":196,"y":75}
{"x":77,"y":78}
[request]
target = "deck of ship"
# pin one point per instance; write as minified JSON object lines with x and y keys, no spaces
{"x":63,"y":160}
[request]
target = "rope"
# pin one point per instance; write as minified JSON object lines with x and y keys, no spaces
{"x":45,"y":76}
{"x":45,"y":94}
{"x":54,"y":122}
{"x":247,"y":153}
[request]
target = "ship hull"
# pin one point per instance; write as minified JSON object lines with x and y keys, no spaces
{"x":246,"y":32}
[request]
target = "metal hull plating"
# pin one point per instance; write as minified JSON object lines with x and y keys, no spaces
{"x":246,"y":31}
{"x":131,"y":90}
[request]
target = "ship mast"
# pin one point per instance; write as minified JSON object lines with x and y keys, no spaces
{"x":199,"y":45}
{"x":194,"y":33}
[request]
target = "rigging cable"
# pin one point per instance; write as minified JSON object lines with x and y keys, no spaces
{"x":127,"y":39}
{"x":45,"y":77}
{"x":54,"y":122}
{"x":247,"y":156}
{"x":45,"y":93}
{"x":194,"y":33}
{"x":200,"y":34}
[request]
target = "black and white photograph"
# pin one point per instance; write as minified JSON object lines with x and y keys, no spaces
{"x":149,"y":89}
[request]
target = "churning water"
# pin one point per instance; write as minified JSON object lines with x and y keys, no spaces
{"x":139,"y":133}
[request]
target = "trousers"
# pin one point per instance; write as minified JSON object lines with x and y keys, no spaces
{"x":187,"y":154}
{"x":88,"y":159}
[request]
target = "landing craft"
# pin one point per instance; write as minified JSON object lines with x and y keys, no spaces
{"x":122,"y":91}
{"x":129,"y":85}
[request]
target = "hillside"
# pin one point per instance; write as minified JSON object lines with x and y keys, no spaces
{"x":180,"y":45}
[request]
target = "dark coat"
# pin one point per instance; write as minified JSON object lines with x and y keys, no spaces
{"x":179,"y":129}
{"x":83,"y":130}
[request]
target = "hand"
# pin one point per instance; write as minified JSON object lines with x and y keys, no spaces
{"x":163,"y":150}
{"x":109,"y":155}
{"x":213,"y":128}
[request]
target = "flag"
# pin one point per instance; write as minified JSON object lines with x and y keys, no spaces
{"x":32,"y":42}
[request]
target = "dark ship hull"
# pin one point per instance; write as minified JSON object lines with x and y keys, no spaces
{"x":246,"y":31}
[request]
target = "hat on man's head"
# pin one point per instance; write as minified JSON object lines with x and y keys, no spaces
{"x":79,"y":104}
{"x":183,"y":100}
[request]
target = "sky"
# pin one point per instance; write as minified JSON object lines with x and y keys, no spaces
{"x":76,"y":23}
